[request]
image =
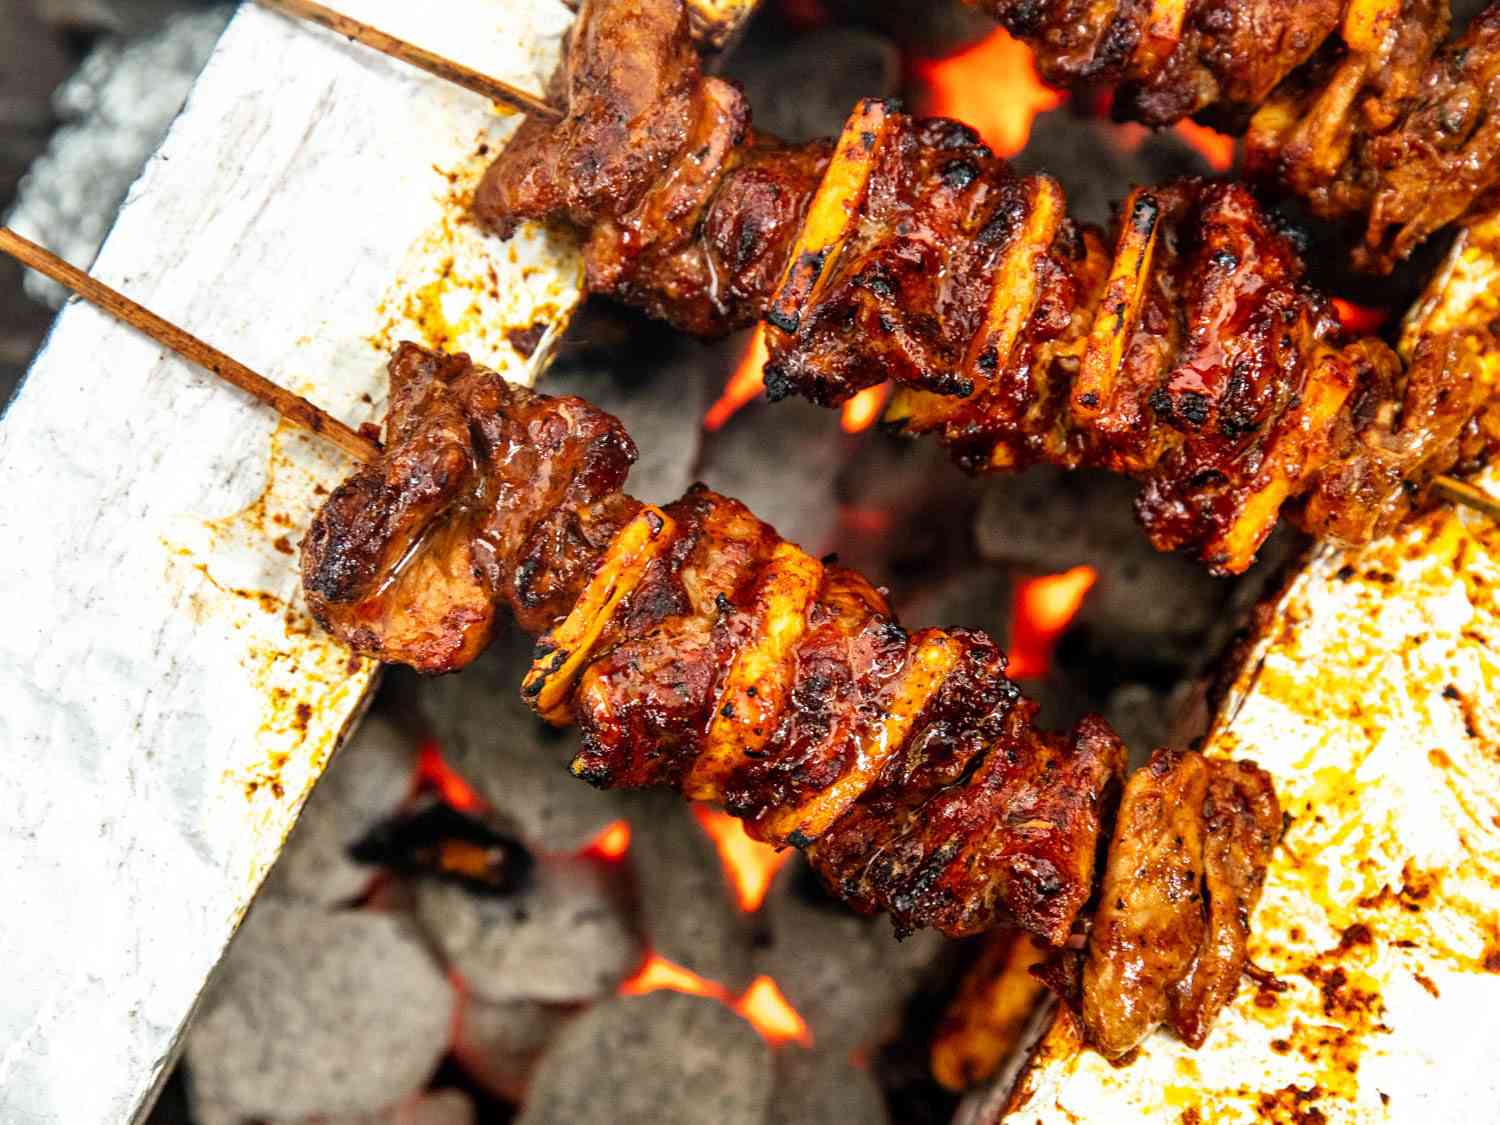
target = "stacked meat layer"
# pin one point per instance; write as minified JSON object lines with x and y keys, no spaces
{"x":1363,"y":108}
{"x":697,"y":649}
{"x":1190,"y":355}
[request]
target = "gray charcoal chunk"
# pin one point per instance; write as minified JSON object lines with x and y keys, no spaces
{"x":846,"y":975}
{"x":821,"y":1087}
{"x":688,"y":908}
{"x":499,"y":1045}
{"x":365,"y":783}
{"x":660,"y":1059}
{"x":513,"y":760}
{"x":319,"y":1012}
{"x":806,"y":88}
{"x":563,"y":938}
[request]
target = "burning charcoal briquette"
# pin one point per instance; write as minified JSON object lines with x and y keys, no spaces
{"x":499,"y":1045}
{"x":803,"y":88}
{"x":319,"y":1012}
{"x":846,"y":975}
{"x":364,"y":784}
{"x":563,"y":937}
{"x":665,"y":1058}
{"x":516,"y":762}
{"x":687,"y":907}
{"x":822,"y":1087}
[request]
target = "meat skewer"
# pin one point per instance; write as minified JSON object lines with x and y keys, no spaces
{"x":1360,"y":108}
{"x":1192,"y":356}
{"x":698,"y":650}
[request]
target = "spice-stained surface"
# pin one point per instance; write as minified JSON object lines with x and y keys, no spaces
{"x":170,"y":702}
{"x":1370,"y":697}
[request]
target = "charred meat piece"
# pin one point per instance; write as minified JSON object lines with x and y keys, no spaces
{"x":487,"y":494}
{"x":697,"y":649}
{"x":1186,"y":864}
{"x":1188,"y":354}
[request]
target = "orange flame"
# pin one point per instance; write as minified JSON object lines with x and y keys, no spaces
{"x":1041,"y":611}
{"x":861,"y":411}
{"x":745,"y":385}
{"x":1359,"y":319}
{"x":612,"y":842}
{"x":749,"y":864}
{"x":1215,"y":147}
{"x":762,"y":1004}
{"x":992,"y":86}
{"x":436,"y":774}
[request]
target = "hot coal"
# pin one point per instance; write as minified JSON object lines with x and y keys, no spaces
{"x":319,"y":1012}
{"x":564,"y":937}
{"x":365,"y":783}
{"x":435,"y":840}
{"x":687,"y":906}
{"x":665,"y":1058}
{"x":847,"y":976}
{"x":514,"y":761}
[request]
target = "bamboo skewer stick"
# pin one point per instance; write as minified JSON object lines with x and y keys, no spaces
{"x":294,"y":408}
{"x":297,"y":410}
{"x":493,"y":88}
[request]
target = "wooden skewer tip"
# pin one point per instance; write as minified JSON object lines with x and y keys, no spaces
{"x":496,"y":90}
{"x":293,"y":407}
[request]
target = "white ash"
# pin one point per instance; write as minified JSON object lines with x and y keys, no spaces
{"x":665,"y":1058}
{"x":688,"y":909}
{"x":846,"y":975}
{"x":116,"y":110}
{"x":563,"y":938}
{"x":364,"y":784}
{"x":820,"y":1087}
{"x":514,"y":760}
{"x":319,"y":1013}
{"x":440,"y":1107}
{"x":499,"y":1045}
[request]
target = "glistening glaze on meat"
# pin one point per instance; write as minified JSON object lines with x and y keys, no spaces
{"x":1188,"y":354}
{"x":696,"y":649}
{"x":1365,"y":109}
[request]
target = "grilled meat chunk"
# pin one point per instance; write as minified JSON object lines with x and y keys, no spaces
{"x":1362,"y":109}
{"x":1190,"y":356}
{"x":487,"y":494}
{"x":696,"y":649}
{"x":1186,"y":863}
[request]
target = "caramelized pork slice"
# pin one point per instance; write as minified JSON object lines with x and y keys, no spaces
{"x":1184,"y":872}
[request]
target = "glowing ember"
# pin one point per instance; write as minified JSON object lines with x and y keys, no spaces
{"x":992,"y":86}
{"x":1359,"y":319}
{"x":861,"y":411}
{"x":1215,"y":147}
{"x":772,"y":1015}
{"x":749,"y":864}
{"x":745,"y":385}
{"x":762,"y":1005}
{"x":436,"y":774}
{"x":612,"y":842}
{"x":1040,"y":612}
